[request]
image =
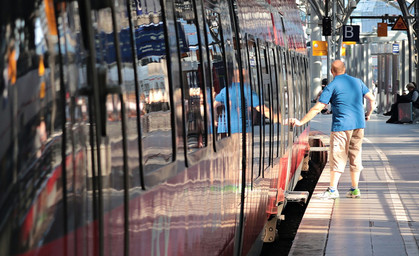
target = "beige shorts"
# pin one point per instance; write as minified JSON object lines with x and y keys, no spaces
{"x":344,"y":145}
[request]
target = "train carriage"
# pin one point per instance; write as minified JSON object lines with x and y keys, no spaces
{"x":148,"y":127}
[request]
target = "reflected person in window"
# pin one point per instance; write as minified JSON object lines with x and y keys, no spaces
{"x":251,"y":99}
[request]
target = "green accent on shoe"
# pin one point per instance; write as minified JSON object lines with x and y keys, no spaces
{"x":355,"y":193}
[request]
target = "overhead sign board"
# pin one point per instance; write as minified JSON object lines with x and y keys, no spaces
{"x":382,"y":29}
{"x":319,"y":48}
{"x":400,"y":24}
{"x":351,"y":33}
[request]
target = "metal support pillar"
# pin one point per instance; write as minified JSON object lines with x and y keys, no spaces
{"x":316,"y":61}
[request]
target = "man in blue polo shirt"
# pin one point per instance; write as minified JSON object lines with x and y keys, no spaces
{"x":345,"y":93}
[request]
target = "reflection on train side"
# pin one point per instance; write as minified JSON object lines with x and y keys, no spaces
{"x":95,"y":101}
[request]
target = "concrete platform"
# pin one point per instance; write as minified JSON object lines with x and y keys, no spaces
{"x":385,"y":220}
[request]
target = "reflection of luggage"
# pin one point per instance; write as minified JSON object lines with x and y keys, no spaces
{"x":405,"y":112}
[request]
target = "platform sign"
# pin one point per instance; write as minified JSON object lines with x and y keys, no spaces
{"x":344,"y":46}
{"x":351,"y":33}
{"x":382,"y":29}
{"x":400,"y":24}
{"x":396,"y":48}
{"x":319,"y":48}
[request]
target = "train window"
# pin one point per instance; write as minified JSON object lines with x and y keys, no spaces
{"x":256,"y":115}
{"x":191,"y":68}
{"x":154,"y":93}
{"x":300,"y":90}
{"x":276,"y":111}
{"x":263,"y":61}
{"x":266,"y":94}
{"x":295,"y":90}
{"x":281,"y":105}
{"x":303,"y":88}
{"x":218,"y":71}
{"x":285,"y":100}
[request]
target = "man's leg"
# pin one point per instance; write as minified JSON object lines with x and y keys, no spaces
{"x":338,"y":155}
{"x":355,"y":155}
{"x":355,"y":161}
{"x":355,"y":179}
{"x":337,"y":162}
{"x":334,"y":178}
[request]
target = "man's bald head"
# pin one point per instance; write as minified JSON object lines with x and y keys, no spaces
{"x":338,"y":68}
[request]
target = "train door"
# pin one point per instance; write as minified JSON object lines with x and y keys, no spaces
{"x":112,"y":98}
{"x":158,"y":119}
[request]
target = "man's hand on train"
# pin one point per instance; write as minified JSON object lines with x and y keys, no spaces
{"x":294,"y":122}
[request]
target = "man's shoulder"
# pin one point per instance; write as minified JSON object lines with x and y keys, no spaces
{"x":353,"y":78}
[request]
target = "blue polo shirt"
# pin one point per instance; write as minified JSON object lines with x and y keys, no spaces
{"x":345,"y":93}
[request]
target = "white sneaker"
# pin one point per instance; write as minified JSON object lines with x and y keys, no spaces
{"x":328,"y":194}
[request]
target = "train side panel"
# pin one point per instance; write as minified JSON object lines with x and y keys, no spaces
{"x":127,"y":128}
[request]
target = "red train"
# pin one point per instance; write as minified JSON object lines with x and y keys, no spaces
{"x":148,"y":127}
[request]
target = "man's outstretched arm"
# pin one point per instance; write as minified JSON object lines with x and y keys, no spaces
{"x":310,"y":115}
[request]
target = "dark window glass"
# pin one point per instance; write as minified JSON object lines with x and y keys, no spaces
{"x":275,"y":103}
{"x":256,"y":115}
{"x":191,"y":68}
{"x":266,"y":107}
{"x":296,"y":90}
{"x":281,"y":98}
{"x":285,"y":105}
{"x":217,"y":66}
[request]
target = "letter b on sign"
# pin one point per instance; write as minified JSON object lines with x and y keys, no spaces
{"x":351,"y":33}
